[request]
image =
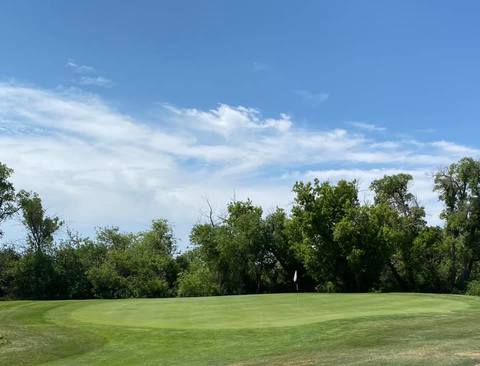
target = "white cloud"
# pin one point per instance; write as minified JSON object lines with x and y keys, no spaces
{"x":79,"y":69}
{"x":96,"y":81}
{"x":453,"y":148}
{"x":87,"y":75}
{"x":367,"y":126}
{"x":97,"y":166}
{"x":226,"y":120}
{"x":386,"y":145}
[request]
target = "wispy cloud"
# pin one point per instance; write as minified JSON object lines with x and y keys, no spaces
{"x":310,"y":98}
{"x":96,"y":80}
{"x":88,"y":76}
{"x":97,"y":166}
{"x":454,"y":148}
{"x":367,"y":126}
{"x":79,"y":69}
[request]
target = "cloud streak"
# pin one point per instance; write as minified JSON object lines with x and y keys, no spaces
{"x":79,"y":69}
{"x":87,"y":75}
{"x":96,"y":80}
{"x":367,"y":126}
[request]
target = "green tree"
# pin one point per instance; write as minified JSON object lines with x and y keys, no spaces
{"x":197,"y":279}
{"x":240,"y":249}
{"x":318,"y":208}
{"x":40,"y":227}
{"x":281,"y":240}
{"x":459,"y":188}
{"x":362,"y":239}
{"x":8,"y":206}
{"x":393,"y":191}
{"x":135,"y":265}
{"x":35,"y":277}
{"x":73,"y":257}
{"x":430,"y":253}
{"x":9,"y":259}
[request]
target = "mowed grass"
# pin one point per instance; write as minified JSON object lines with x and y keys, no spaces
{"x":283,"y":329}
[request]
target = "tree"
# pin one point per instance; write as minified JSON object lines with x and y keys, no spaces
{"x":459,"y":189}
{"x":240,"y":249}
{"x":73,"y":257}
{"x":363,"y":241}
{"x":160,"y":238}
{"x":135,"y":264}
{"x":393,"y":192}
{"x":318,"y":208}
{"x":282,"y":241}
{"x":8,"y":206}
{"x":197,"y":279}
{"x":35,"y":277}
{"x":430,"y":254}
{"x":40,"y":228}
{"x":9,"y":259}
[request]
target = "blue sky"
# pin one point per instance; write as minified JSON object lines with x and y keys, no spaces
{"x":147,"y":108}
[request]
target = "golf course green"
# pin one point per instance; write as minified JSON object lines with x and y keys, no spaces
{"x":282,"y":329}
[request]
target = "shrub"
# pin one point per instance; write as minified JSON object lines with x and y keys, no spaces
{"x":328,"y":287}
{"x":107,"y":283}
{"x":35,"y":277}
{"x":198,"y":280}
{"x":473,"y":288}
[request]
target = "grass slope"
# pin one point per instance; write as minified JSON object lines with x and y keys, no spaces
{"x":311,"y":329}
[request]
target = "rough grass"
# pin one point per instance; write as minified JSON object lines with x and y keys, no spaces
{"x":312,"y":329}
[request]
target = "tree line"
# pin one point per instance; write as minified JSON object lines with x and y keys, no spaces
{"x":335,"y":242}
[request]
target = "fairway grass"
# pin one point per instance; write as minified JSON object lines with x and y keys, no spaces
{"x":282,"y":329}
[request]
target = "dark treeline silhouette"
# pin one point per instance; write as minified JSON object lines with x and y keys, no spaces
{"x":335,"y":242}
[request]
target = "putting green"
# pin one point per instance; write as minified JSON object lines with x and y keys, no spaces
{"x":240,"y":312}
{"x":283,"y":329}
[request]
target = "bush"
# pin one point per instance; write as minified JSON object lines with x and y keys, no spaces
{"x":35,"y":277}
{"x":107,"y":283}
{"x":148,"y":286}
{"x":328,"y":287}
{"x":473,"y":288}
{"x":8,"y":261}
{"x":198,"y":280}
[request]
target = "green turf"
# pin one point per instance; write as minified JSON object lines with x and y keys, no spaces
{"x":311,"y":329}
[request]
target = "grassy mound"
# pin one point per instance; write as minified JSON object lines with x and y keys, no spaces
{"x":311,"y":329}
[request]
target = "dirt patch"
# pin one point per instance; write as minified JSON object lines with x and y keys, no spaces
{"x":280,"y":362}
{"x":473,"y":355}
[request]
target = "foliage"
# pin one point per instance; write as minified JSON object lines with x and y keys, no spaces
{"x":403,"y":227}
{"x":317,"y":210}
{"x":459,"y":189}
{"x":8,"y":206}
{"x":8,"y":260}
{"x":40,"y":228}
{"x":197,"y":280}
{"x":35,"y":277}
{"x":333,"y":242}
{"x":473,"y":288}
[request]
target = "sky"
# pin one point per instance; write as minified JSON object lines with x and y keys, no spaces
{"x":119,"y":112}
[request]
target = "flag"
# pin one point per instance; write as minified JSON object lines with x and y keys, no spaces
{"x":295,"y":277}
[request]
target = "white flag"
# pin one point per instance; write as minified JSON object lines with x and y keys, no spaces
{"x":295,"y":277}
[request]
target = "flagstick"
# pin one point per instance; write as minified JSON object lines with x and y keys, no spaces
{"x":295,"y":280}
{"x":296,"y":284}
